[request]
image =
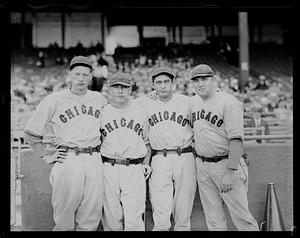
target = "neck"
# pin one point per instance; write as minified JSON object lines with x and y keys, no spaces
{"x":121,"y":105}
{"x":78,"y":92}
{"x":209,"y":96}
{"x":167,"y":98}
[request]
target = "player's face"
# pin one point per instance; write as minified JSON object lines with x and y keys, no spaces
{"x":203,"y":86}
{"x":163,"y":86}
{"x":80,"y":77}
{"x":119,"y":93}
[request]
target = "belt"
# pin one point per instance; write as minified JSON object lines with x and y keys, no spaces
{"x":214,"y":159}
{"x":178,"y":151}
{"x":126,"y":161}
{"x":78,"y":150}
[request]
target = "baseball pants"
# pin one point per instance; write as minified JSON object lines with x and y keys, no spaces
{"x":77,"y":194}
{"x":209,"y":176}
{"x":124,"y":197}
{"x":172,"y":187}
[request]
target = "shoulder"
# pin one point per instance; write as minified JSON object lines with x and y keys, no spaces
{"x":181,"y":97}
{"x":106,"y":108}
{"x":97,"y":96}
{"x":137,"y":106}
{"x":142,"y":100}
{"x":228,"y":98}
{"x":194,"y":100}
{"x":52,"y":97}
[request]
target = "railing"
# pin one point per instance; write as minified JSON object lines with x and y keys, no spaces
{"x":268,"y":137}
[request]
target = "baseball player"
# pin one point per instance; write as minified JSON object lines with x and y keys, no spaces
{"x":77,"y":173}
{"x":172,"y":184}
{"x":222,"y":174}
{"x":126,"y":155}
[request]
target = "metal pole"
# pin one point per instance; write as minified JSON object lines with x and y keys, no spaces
{"x":244,"y":49}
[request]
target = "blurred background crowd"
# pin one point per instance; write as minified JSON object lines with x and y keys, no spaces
{"x":268,"y":91}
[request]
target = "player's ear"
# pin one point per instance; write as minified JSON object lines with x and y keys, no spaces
{"x":152,"y":83}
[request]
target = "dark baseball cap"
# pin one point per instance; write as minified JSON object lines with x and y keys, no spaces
{"x":120,"y":78}
{"x":201,"y":70}
{"x":162,"y":70}
{"x":81,"y":61}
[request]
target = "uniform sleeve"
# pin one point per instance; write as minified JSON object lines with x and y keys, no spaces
{"x":190,"y":107}
{"x":233,"y":119}
{"x":103,"y":101}
{"x":145,"y":126}
{"x":41,"y":116}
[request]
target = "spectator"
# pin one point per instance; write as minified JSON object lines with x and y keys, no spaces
{"x":257,"y":122}
{"x":262,"y":84}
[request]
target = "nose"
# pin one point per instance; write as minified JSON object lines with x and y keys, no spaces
{"x":163,"y":85}
{"x":80,"y":77}
{"x":120,"y":90}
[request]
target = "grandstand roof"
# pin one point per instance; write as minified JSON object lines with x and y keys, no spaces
{"x":96,"y":5}
{"x":167,"y":12}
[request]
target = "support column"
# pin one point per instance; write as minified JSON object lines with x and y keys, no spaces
{"x":63,"y":29}
{"x":103,"y":28}
{"x":180,"y":35}
{"x":174,"y":34}
{"x":141,"y":35}
{"x":244,"y":49}
{"x":168,"y":40}
{"x":220,"y":31}
{"x":22,"y":30}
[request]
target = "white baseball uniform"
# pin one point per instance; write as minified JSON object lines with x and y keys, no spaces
{"x":172,"y":184}
{"x":124,"y":136}
{"x":215,"y":121}
{"x":77,"y":182}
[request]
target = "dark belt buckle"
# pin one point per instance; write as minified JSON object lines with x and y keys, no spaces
{"x":216,"y":159}
{"x":65,"y":148}
{"x":98,"y":148}
{"x":127,"y":161}
{"x":165,"y":152}
{"x":89,"y":149}
{"x":179,"y":151}
{"x":113,"y":162}
{"x":76,"y":150}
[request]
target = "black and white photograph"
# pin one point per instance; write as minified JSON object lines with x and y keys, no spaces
{"x":151,"y":116}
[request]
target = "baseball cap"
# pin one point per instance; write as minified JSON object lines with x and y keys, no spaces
{"x":162,"y":70}
{"x":201,"y":70}
{"x":81,"y":61}
{"x":120,"y":78}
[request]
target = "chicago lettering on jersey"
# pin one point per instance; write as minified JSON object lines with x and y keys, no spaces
{"x":75,"y":111}
{"x":164,"y":116}
{"x":114,"y":125}
{"x":208,"y":116}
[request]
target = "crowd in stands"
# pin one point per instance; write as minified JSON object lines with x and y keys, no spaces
{"x":269,"y":93}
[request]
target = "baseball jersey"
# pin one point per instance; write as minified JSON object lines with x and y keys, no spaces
{"x":124,"y":131}
{"x":75,"y":119}
{"x":169,"y":126}
{"x":215,"y":121}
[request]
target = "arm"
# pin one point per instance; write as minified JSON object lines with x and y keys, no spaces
{"x":50,"y":157}
{"x":35,"y":128}
{"x":35,"y":142}
{"x":148,"y":155}
{"x":235,"y":153}
{"x":234,"y":128}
